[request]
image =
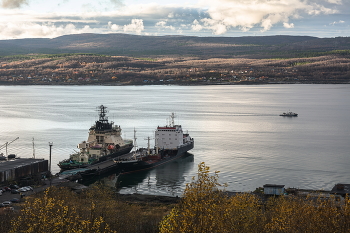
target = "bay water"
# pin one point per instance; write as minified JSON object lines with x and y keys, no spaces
{"x":237,"y":130}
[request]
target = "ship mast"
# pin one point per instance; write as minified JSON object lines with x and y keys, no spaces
{"x":148,"y":145}
{"x":102,"y":114}
{"x":172,"y":117}
{"x":135,"y":143}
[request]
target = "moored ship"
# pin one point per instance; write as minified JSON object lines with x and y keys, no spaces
{"x":104,"y":142}
{"x":171,"y":143}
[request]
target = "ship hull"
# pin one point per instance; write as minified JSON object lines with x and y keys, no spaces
{"x":127,"y":167}
{"x":123,"y":150}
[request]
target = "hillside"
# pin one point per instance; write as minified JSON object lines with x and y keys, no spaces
{"x":117,"y":59}
{"x":205,"y":47}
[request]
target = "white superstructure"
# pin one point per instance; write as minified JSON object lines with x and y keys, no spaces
{"x":170,"y":136}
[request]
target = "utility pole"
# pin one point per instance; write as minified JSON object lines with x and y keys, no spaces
{"x":33,"y":149}
{"x":50,"y":144}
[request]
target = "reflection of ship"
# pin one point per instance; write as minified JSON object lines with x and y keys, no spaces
{"x":171,"y":176}
{"x":170,"y":144}
{"x":289,"y":114}
{"x":104,"y":142}
{"x":168,"y":177}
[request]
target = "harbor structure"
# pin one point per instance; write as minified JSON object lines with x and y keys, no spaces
{"x":16,"y":169}
{"x":273,"y":189}
{"x":341,"y":189}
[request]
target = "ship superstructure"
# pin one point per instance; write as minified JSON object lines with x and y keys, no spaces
{"x":170,"y":143}
{"x":104,"y":142}
{"x":170,"y":137}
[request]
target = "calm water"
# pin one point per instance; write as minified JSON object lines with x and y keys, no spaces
{"x":237,"y":130}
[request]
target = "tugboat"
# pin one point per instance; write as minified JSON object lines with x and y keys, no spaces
{"x":104,"y":142}
{"x":289,"y":114}
{"x":171,"y":143}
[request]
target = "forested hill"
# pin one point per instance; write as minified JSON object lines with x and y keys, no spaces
{"x":204,"y":47}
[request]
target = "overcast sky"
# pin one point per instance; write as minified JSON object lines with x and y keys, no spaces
{"x":232,"y":18}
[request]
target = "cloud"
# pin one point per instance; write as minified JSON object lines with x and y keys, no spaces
{"x":338,"y":2}
{"x":117,"y":3}
{"x":13,"y":3}
{"x":162,"y":25}
{"x":113,"y":27}
{"x":339,"y":22}
{"x":196,"y":26}
{"x":136,"y":25}
{"x":288,"y":25}
{"x":246,"y":14}
{"x":47,"y":30}
{"x":219,"y":17}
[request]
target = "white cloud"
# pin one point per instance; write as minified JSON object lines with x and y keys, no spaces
{"x":136,"y":26}
{"x":288,"y":25}
{"x":113,"y":27}
{"x":196,"y":26}
{"x":246,"y":14}
{"x":338,"y":2}
{"x":162,"y":25}
{"x":217,"y":17}
{"x":35,"y":30}
{"x":334,"y":23}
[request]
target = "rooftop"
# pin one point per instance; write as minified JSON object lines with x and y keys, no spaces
{"x":7,"y":165}
{"x":341,"y":189}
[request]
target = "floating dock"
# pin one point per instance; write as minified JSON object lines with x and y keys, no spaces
{"x":15,"y":169}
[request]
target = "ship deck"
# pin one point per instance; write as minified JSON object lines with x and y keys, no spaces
{"x":102,"y":165}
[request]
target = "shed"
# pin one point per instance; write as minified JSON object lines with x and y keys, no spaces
{"x":15,"y":169}
{"x":341,"y":189}
{"x":273,"y":189}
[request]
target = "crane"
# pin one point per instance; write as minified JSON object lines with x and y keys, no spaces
{"x":7,"y":143}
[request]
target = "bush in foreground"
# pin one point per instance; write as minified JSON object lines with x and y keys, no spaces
{"x":206,"y":208}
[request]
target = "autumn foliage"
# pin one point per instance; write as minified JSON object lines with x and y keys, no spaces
{"x":95,"y":210}
{"x":206,"y":208}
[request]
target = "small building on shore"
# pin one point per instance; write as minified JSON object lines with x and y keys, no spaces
{"x":341,"y":189}
{"x":16,"y":169}
{"x":273,"y":189}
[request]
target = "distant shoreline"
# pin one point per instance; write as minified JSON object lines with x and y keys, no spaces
{"x":178,"y":84}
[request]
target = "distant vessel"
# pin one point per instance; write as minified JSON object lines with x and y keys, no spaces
{"x":104,"y":142}
{"x":171,"y":143}
{"x":289,"y":114}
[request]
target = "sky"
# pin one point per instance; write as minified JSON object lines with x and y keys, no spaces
{"x":228,"y":18}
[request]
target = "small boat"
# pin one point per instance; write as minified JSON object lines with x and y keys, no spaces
{"x":289,"y":114}
{"x":104,"y":142}
{"x":171,"y":143}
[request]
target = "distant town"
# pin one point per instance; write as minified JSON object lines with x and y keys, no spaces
{"x":113,"y":70}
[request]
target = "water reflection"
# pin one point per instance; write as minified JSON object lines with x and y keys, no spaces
{"x":168,"y":179}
